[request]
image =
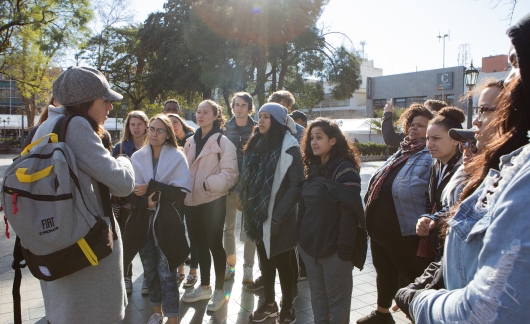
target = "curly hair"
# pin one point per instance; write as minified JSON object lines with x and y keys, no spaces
{"x":413,"y":111}
{"x":280,"y":95}
{"x":342,"y":148}
{"x":449,"y":117}
{"x":435,"y":105}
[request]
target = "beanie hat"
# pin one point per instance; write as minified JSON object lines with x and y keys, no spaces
{"x":520,"y":37}
{"x":277,"y":111}
{"x":77,"y":85}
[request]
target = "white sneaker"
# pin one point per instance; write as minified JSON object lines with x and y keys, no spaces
{"x":191,"y":280}
{"x":229,"y":272}
{"x":145,"y":291}
{"x":199,"y":293}
{"x":156,"y":318}
{"x":248,"y":275}
{"x":217,"y":301}
{"x":128,"y":285}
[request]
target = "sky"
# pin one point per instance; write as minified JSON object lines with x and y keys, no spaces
{"x":402,"y":36}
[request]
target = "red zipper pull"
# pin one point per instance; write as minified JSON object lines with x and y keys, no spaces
{"x":7,"y":226}
{"x":15,"y":208}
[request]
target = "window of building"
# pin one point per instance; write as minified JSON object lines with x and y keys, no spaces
{"x":412,"y":100}
{"x":330,"y":102}
{"x":400,"y":102}
{"x":379,"y":103}
{"x":448,"y":98}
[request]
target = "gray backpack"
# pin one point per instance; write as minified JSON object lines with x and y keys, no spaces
{"x":45,"y":205}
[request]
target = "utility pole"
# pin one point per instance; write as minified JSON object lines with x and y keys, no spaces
{"x":443,"y":62}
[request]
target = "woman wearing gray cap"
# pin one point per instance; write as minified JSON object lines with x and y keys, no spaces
{"x":268,"y":194}
{"x":487,"y":250}
{"x":94,"y":294}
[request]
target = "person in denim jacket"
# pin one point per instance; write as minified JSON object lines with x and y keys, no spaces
{"x":487,"y":251}
{"x":394,"y":202}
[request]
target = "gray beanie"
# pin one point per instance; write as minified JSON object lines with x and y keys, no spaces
{"x":277,"y":111}
{"x":77,"y":85}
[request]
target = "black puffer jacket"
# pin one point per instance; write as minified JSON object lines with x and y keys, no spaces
{"x":168,"y":227}
{"x":331,"y":216}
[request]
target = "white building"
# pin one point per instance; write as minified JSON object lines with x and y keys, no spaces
{"x":354,"y":107}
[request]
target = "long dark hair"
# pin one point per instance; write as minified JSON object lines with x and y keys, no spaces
{"x":271,"y":140}
{"x":82,"y":111}
{"x":413,"y":111}
{"x":342,"y":148}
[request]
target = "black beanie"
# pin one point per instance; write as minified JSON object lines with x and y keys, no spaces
{"x":520,"y":37}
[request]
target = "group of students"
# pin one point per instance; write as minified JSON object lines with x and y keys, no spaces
{"x":445,"y":214}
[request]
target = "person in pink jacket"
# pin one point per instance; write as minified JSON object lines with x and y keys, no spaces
{"x":212,"y":159}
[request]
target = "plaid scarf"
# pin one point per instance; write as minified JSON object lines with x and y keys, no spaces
{"x":257,"y":178}
{"x":408,"y":148}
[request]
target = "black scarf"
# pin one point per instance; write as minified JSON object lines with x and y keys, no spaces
{"x":200,"y":142}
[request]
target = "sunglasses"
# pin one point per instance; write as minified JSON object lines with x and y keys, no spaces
{"x":480,"y":111}
{"x":466,"y":145}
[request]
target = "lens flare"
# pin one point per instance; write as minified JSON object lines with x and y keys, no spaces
{"x":256,"y":8}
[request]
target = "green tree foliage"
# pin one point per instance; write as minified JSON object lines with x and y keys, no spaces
{"x":234,"y":45}
{"x":376,"y":122}
{"x":116,"y":53}
{"x":34,"y":48}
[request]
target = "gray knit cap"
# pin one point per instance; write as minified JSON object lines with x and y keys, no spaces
{"x":277,"y":111}
{"x":77,"y":85}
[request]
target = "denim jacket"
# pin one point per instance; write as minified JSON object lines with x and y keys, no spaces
{"x":487,"y":253}
{"x":409,"y":189}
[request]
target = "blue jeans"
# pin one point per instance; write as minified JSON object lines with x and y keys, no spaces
{"x":162,"y":283}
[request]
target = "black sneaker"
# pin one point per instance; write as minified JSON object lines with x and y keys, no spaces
{"x":286,"y":317}
{"x":376,"y":317}
{"x":256,"y":285}
{"x":263,"y":312}
{"x":303,"y":274}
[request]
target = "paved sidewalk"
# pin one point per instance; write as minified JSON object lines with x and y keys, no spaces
{"x":237,"y":310}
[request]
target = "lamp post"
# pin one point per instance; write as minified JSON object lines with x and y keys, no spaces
{"x":470,"y":77}
{"x":5,"y":121}
{"x":123,"y":112}
{"x":22,"y":108}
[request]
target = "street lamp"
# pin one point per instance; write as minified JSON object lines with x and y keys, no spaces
{"x":22,"y":108}
{"x":123,"y":112}
{"x":470,"y":77}
{"x":5,"y":121}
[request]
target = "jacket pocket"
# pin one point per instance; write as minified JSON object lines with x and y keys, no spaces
{"x":480,"y":227}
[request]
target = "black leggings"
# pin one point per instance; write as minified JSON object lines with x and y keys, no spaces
{"x":283,"y":263}
{"x":207,"y":223}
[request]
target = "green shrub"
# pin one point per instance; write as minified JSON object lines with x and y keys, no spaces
{"x":369,"y":148}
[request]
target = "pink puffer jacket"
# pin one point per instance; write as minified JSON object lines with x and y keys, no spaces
{"x":207,"y":171}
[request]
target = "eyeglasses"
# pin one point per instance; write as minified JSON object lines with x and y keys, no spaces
{"x":159,"y":131}
{"x":480,"y":111}
{"x":466,"y":145}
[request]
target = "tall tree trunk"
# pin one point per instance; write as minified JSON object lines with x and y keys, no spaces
{"x":30,"y":110}
{"x":226,"y":95}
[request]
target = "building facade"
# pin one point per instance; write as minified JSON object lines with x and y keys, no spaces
{"x":10,"y":98}
{"x":407,"y":88}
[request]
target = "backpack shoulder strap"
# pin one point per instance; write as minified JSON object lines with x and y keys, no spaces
{"x":17,"y":265}
{"x":60,"y":129}
{"x":219,"y":143}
